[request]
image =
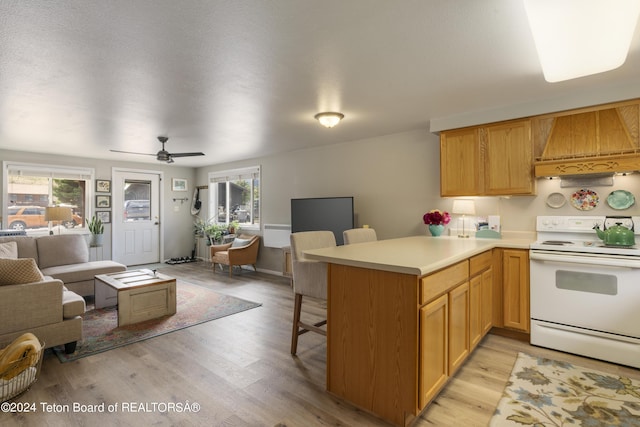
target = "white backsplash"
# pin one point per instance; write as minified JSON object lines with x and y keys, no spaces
{"x":518,"y":213}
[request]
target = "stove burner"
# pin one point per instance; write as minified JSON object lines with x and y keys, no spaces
{"x":557,"y":242}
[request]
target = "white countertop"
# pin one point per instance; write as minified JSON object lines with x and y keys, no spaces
{"x":418,"y":255}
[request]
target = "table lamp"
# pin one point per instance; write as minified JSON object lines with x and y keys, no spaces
{"x":57,"y":213}
{"x":464,"y":207}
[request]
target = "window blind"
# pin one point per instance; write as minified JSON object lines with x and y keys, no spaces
{"x":235,"y":174}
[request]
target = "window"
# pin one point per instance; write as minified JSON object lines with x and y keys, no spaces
{"x":137,"y":200}
{"x":29,"y":188}
{"x":235,"y":196}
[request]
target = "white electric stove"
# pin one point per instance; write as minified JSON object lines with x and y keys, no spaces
{"x":585,"y":296}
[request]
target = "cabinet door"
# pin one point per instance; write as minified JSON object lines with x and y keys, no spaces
{"x":460,"y":163}
{"x":434,"y":327}
{"x":487,"y":301}
{"x":475,"y":311}
{"x":515,"y":270}
{"x":509,"y":159}
{"x":458,"y":326}
{"x":480,"y":306}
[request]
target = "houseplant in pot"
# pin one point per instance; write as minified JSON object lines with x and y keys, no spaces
{"x":97,"y":231}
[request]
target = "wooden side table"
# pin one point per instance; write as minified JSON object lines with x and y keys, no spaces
{"x":139,"y":294}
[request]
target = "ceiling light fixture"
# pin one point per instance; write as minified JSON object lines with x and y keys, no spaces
{"x":576,"y":38}
{"x":329,"y":119}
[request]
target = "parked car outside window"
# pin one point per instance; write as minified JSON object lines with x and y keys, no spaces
{"x":23,"y":217}
{"x":240,"y":214}
{"x":137,"y":210}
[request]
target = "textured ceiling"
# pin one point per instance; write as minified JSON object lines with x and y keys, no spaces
{"x":241,"y":79}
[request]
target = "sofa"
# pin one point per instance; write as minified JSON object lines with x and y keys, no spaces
{"x":64,"y":257}
{"x":42,"y":285}
{"x":31,"y":302}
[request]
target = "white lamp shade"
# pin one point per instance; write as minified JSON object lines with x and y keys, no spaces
{"x":58,"y":213}
{"x":576,"y":38}
{"x":464,"y":207}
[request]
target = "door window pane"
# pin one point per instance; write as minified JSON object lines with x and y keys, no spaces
{"x":137,"y":201}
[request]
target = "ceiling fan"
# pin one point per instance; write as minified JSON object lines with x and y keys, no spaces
{"x":162,"y":155}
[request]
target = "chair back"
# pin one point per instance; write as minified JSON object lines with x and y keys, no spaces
{"x":359,"y":235}
{"x":309,"y":276}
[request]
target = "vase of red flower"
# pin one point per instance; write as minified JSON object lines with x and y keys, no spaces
{"x":436,"y":220}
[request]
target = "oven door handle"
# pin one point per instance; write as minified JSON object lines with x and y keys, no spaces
{"x":585,"y":259}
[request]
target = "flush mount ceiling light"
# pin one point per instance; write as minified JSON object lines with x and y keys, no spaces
{"x":576,"y":38}
{"x":329,"y":119}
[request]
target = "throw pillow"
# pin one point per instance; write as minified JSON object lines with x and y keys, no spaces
{"x":9,"y":250}
{"x":19,"y":271}
{"x":238,"y":243}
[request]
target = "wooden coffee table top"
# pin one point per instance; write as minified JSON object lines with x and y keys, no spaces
{"x":133,"y":279}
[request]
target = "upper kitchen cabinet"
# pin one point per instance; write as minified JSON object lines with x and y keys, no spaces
{"x":460,"y":165}
{"x":491,"y":160}
{"x":509,"y":159}
{"x":600,"y":139}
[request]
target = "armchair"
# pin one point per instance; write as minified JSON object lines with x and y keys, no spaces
{"x":242,"y":251}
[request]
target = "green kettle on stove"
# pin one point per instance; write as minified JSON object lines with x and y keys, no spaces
{"x":618,"y":234}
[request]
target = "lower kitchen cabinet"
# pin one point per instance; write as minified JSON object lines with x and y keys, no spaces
{"x":434,"y":348}
{"x":395,"y":339}
{"x":444,"y":329}
{"x":515,"y":288}
{"x":487,"y":301}
{"x":480,"y":297}
{"x":458,"y":326}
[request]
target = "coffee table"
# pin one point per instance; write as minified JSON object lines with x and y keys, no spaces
{"x":139,"y":294}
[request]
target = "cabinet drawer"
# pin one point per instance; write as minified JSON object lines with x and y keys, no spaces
{"x":440,"y":282}
{"x":480,"y":262}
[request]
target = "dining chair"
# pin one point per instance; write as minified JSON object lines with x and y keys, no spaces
{"x":359,"y":235}
{"x":309,"y":279}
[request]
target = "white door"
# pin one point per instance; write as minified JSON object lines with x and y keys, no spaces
{"x":136,"y":217}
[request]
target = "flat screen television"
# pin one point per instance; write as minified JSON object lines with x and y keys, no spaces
{"x":323,"y":213}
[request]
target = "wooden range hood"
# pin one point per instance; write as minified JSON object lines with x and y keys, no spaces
{"x":596,"y":140}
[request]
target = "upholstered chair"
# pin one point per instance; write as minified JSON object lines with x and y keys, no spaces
{"x":242,"y":251}
{"x":359,"y":235}
{"x":309,"y":278}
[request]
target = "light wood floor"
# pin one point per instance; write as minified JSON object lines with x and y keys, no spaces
{"x":239,"y":370}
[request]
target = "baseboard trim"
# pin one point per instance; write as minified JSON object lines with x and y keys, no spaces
{"x":520,"y":336}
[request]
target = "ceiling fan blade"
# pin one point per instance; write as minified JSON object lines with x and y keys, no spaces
{"x":132,"y":152}
{"x":186,"y":154}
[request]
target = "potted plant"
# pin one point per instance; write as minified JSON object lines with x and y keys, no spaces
{"x":96,"y":228}
{"x":215,"y":232}
{"x":200,"y":227}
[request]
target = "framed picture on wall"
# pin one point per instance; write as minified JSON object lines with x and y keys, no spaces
{"x":179,"y":184}
{"x":104,"y":216}
{"x":103,"y":202}
{"x":103,"y":186}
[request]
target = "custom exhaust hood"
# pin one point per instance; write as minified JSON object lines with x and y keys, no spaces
{"x":599,"y":140}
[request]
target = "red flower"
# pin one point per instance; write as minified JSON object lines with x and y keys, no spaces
{"x":436,"y":217}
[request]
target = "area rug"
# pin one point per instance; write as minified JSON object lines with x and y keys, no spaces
{"x":544,"y":392}
{"x":195,"y":305}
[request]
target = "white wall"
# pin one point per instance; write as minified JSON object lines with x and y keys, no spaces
{"x":394,"y":179}
{"x":178,"y":225}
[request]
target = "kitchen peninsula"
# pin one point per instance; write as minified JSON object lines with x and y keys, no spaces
{"x":403,"y":315}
